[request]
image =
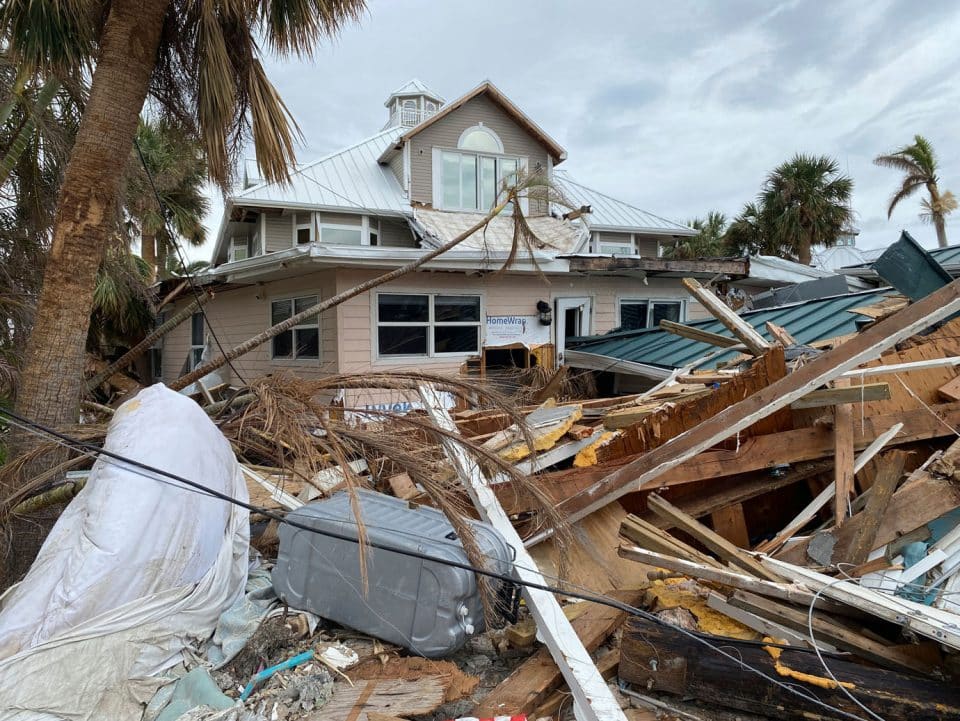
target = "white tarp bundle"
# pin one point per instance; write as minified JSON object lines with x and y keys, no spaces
{"x":137,"y":569}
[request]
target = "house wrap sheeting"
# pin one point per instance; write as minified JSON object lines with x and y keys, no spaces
{"x":136,"y":569}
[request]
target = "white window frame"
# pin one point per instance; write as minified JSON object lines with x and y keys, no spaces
{"x":650,"y":302}
{"x":438,"y":201}
{"x":315,"y":323}
{"x":430,"y":324}
{"x":321,"y":225}
{"x":311,"y":224}
{"x":196,"y":350}
{"x":629,"y":247}
{"x":486,"y":131}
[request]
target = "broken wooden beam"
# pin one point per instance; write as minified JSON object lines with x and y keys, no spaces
{"x":755,"y":343}
{"x":881,"y":492}
{"x":658,"y":657}
{"x":842,"y":457}
{"x":594,"y":699}
{"x":698,"y":334}
{"x":843,"y":395}
{"x":780,"y":334}
{"x":758,"y":406}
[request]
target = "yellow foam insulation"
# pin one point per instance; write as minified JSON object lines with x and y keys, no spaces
{"x":588,"y":456}
{"x":818,"y":681}
{"x":545,"y":439}
{"x":685,"y":593}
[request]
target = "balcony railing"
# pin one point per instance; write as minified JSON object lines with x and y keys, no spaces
{"x":409,"y":117}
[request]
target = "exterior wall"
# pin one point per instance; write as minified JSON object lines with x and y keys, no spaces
{"x":446,"y":132}
{"x":340,"y":218}
{"x":396,"y":234}
{"x":396,"y":167}
{"x":279,"y":233}
{"x":241,"y":313}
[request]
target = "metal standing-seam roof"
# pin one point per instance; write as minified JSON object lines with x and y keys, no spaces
{"x":807,"y":322}
{"x":350,"y":178}
{"x":610,"y":213}
{"x":947,"y":257}
{"x":413,"y":87}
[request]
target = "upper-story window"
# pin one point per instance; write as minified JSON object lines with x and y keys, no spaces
{"x":468,"y":178}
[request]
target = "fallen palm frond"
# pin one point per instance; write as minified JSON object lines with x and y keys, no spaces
{"x":297,"y":426}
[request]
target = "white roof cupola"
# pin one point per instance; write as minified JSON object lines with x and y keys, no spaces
{"x":412,"y":103}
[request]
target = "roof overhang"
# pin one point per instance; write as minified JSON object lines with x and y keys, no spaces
{"x":731,"y":267}
{"x":489,"y":89}
{"x":669,"y":232}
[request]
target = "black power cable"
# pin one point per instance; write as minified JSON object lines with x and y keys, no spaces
{"x":89,"y":448}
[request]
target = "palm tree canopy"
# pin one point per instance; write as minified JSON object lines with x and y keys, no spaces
{"x":917,"y":162}
{"x":208,"y":73}
{"x":807,"y":202}
{"x":707,"y":243}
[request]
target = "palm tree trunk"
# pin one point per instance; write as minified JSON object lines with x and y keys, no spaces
{"x":336,"y":300}
{"x":52,"y":379}
{"x":939,"y":222}
{"x":803,"y":249}
{"x":148,"y":251}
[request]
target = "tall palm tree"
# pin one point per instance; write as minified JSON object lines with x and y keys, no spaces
{"x":200,"y":61}
{"x":707,"y":243}
{"x":748,"y":234}
{"x":178,"y":170}
{"x":918,"y":163}
{"x":805,"y":202}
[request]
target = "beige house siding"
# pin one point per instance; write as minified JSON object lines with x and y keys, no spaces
{"x":445,"y":133}
{"x":340,"y":218}
{"x":279,"y":233}
{"x":241,"y":313}
{"x":396,"y":234}
{"x":396,"y":167}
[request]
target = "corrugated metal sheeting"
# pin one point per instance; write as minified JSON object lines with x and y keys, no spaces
{"x":349,"y":179}
{"x":807,"y":322}
{"x":607,"y":212}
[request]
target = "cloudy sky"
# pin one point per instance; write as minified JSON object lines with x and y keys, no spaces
{"x":679,"y":107}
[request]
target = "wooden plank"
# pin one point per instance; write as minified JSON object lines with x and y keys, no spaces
{"x":826,"y":629}
{"x":391,"y":696}
{"x":660,"y":658}
{"x":755,"y":342}
{"x":607,"y":664}
{"x":881,"y":492}
{"x":930,"y":622}
{"x":950,"y":391}
{"x":707,"y":267}
{"x":712,"y":540}
{"x":524,"y":633}
{"x":552,"y":387}
{"x":780,"y":334}
{"x":646,"y":535}
{"x":822,"y":369}
{"x":731,"y":523}
{"x":907,"y":367}
{"x":782,"y":591}
{"x":698,"y":334}
{"x":914,"y":504}
{"x":594,"y":699}
{"x":531,"y":683}
{"x":842,"y":458}
{"x":844,"y":394}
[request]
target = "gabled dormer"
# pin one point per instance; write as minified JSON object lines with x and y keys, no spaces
{"x":411,"y":104}
{"x":456,"y":158}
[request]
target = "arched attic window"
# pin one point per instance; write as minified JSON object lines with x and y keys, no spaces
{"x":481,"y":139}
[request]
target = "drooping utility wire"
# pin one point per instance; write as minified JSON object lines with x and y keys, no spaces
{"x":152,"y":472}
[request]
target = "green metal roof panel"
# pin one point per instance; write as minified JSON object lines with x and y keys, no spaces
{"x":807,"y":322}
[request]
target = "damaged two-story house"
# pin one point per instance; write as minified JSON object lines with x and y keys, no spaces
{"x":430,"y":174}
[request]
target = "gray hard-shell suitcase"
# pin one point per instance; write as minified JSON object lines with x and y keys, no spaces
{"x":426,"y":607}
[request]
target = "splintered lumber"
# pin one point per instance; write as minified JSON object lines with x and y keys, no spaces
{"x":780,"y":334}
{"x":593,"y":698}
{"x":950,"y":390}
{"x":811,"y":510}
{"x":558,"y":453}
{"x":782,"y":591}
{"x":714,"y":541}
{"x":731,"y":523}
{"x":698,"y":334}
{"x":916,"y":503}
{"x":843,"y":395}
{"x":552,"y":387}
{"x":907,"y":367}
{"x":524,"y":690}
{"x":646,"y":535}
{"x":607,"y":664}
{"x":661,"y":658}
{"x":392,"y":696}
{"x":927,"y":621}
{"x":880,"y":494}
{"x":842,"y":458}
{"x":755,"y":342}
{"x":544,"y":426}
{"x":524,"y":633}
{"x":767,"y":401}
{"x":825,"y":629}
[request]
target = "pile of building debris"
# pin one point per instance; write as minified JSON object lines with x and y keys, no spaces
{"x":790,"y":527}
